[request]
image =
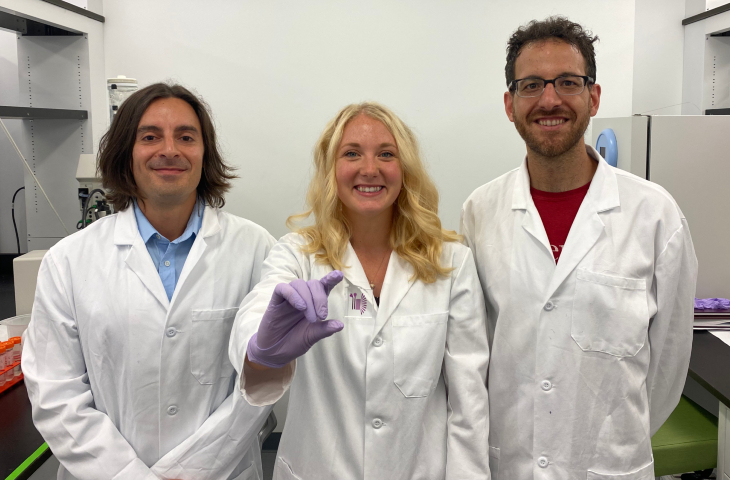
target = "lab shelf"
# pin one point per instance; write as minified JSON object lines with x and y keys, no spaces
{"x":710,"y":13}
{"x":10,"y":20}
{"x":31,"y":113}
{"x":73,"y":8}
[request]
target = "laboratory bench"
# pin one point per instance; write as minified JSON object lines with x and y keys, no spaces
{"x":22,"y":449}
{"x":709,"y":366}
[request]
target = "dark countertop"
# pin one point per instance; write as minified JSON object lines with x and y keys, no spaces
{"x":18,"y":437}
{"x":709,"y":365}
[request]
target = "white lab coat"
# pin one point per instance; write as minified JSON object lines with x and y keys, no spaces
{"x":128,"y":385}
{"x":589,"y":357}
{"x":400,"y":393}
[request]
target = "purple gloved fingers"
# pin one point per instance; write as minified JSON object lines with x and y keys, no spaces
{"x":307,"y":295}
{"x":290,"y":325}
{"x":319,"y":299}
{"x":320,"y":330}
{"x":284,"y":311}
{"x":284,"y":292}
{"x":330,"y":280}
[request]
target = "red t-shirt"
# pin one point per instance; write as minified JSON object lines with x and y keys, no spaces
{"x":557,"y":211}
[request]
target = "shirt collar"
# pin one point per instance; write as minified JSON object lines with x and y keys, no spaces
{"x":604,"y":187}
{"x":147,"y":231}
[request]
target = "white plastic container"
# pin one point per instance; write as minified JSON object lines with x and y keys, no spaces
{"x":13,"y":327}
{"x":119,"y":89}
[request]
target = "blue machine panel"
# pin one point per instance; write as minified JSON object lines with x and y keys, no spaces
{"x":606,"y":146}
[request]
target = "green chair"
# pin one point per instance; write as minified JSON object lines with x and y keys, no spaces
{"x":687,"y":442}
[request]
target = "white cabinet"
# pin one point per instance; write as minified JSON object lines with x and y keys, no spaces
{"x":723,"y":454}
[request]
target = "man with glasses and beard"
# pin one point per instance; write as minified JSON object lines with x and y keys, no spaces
{"x":126,"y":355}
{"x":589,"y":277}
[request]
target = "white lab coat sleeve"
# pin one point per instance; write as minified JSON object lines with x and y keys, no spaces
{"x":215,"y":450}
{"x":84,"y":440}
{"x":465,"y":230}
{"x":220,"y":443}
{"x":267,"y":387}
{"x":670,"y":331}
{"x":465,"y":372}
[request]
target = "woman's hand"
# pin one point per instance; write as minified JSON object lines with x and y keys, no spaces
{"x":293,"y":322}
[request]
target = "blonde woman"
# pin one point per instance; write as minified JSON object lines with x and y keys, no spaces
{"x":398,"y":390}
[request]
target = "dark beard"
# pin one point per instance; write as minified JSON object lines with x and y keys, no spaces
{"x":553,"y":147}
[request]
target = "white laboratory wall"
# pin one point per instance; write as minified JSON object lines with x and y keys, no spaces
{"x":658,"y":57}
{"x":275,"y":72}
{"x":715,"y":3}
{"x":12,"y":169}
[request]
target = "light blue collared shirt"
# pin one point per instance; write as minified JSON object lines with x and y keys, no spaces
{"x":169,"y":257}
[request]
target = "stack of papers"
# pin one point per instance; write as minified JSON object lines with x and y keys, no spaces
{"x":712,"y":323}
{"x":723,"y":335}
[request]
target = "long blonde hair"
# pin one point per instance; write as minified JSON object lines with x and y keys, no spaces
{"x":416,"y":234}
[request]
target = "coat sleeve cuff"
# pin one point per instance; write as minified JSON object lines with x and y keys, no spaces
{"x":136,"y":470}
{"x":266,"y":387}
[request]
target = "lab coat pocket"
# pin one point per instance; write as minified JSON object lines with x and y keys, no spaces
{"x":494,"y":462}
{"x":211,"y":330}
{"x":418,"y":352}
{"x":644,"y":473}
{"x":610,"y":314}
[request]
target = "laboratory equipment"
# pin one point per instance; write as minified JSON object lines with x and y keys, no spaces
{"x":606,"y":146}
{"x":687,"y":155}
{"x":25,"y":273}
{"x":11,"y":349}
{"x":119,"y":89}
{"x":92,"y":197}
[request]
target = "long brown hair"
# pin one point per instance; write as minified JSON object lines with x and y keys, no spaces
{"x":115,"y":148}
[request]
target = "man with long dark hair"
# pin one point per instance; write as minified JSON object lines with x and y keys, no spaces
{"x":589,"y":278}
{"x":126,"y":356}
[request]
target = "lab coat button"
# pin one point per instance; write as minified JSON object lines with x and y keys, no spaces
{"x":171,"y":332}
{"x":158,"y":236}
{"x":378,"y":341}
{"x":172,"y":410}
{"x":542,"y":462}
{"x":549,"y":306}
{"x":167,"y":263}
{"x":377,"y":423}
{"x":546,"y":385}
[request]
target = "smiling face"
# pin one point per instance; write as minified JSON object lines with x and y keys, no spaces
{"x":167,"y":158}
{"x":551,"y":124}
{"x":367,"y":169}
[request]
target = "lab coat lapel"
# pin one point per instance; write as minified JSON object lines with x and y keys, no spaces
{"x":587,"y":227}
{"x":138,"y":258}
{"x":398,"y":280}
{"x":522,"y":200}
{"x":211,"y":226}
{"x":353,"y":271}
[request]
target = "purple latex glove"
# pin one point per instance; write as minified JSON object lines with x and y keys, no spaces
{"x":292,"y":322}
{"x":712,"y":304}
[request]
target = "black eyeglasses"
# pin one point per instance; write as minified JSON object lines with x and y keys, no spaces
{"x":564,"y":85}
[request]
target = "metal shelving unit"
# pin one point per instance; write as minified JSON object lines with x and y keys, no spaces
{"x":29,"y":113}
